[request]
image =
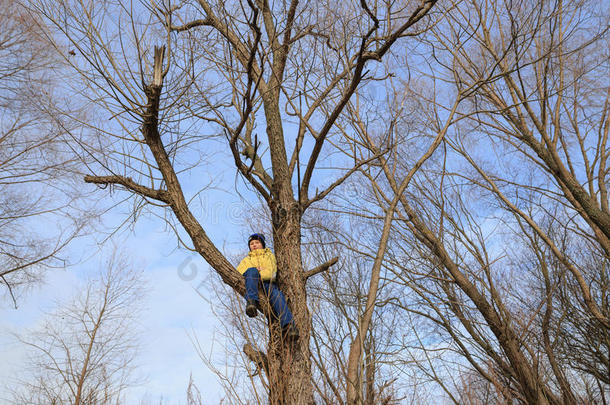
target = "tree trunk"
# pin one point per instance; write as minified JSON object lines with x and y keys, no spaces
{"x":290,"y":361}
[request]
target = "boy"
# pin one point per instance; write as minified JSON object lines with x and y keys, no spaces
{"x":259,"y":267}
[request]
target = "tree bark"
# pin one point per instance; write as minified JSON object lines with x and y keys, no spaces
{"x":290,"y":361}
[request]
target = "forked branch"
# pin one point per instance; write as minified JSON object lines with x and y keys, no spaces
{"x":363,"y":57}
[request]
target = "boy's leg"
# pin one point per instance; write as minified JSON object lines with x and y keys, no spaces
{"x":252,"y":278}
{"x":278,"y":303}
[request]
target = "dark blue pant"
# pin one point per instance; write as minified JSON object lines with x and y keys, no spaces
{"x":276,"y":297}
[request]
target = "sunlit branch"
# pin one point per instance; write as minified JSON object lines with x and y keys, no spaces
{"x":127,"y":182}
{"x":319,"y":269}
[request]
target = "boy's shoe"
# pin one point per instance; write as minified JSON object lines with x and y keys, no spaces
{"x":251,"y":308}
{"x":291,"y":332}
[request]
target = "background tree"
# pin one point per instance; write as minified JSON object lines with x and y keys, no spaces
{"x":36,"y":220}
{"x":491,"y":240}
{"x":83,"y":352}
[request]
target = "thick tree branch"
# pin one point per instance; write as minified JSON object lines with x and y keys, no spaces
{"x":604,"y":154}
{"x":127,"y":182}
{"x":419,"y":13}
{"x":202,"y":243}
{"x":192,"y":24}
{"x":178,"y":203}
{"x":240,"y":50}
{"x":304,"y":119}
{"x":258,"y":357}
{"x":363,"y":57}
{"x":249,"y":151}
{"x":319,"y":269}
{"x":587,"y":297}
{"x":321,"y":137}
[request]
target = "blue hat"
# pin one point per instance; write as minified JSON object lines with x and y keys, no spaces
{"x":257,"y":236}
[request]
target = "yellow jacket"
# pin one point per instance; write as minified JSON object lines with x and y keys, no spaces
{"x":263,"y":260}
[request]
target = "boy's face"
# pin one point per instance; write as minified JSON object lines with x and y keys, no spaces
{"x":255,"y":244}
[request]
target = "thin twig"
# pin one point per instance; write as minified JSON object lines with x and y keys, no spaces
{"x":10,"y":290}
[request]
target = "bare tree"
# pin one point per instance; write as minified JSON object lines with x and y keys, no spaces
{"x":339,"y":299}
{"x":542,"y":99}
{"x":501,"y":239}
{"x":83,"y":352}
{"x":539,"y":89}
{"x":289,"y":68}
{"x":35,"y":171}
